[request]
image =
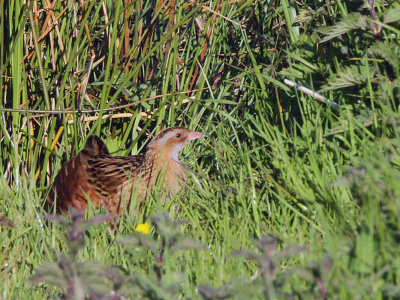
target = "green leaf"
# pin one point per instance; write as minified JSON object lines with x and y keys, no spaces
{"x":390,"y":52}
{"x":349,"y":76}
{"x":351,"y":22}
{"x":392,"y":14}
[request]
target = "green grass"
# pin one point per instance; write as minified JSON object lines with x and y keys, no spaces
{"x":305,"y":202}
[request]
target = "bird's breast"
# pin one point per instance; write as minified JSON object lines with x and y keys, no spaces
{"x":168,"y":174}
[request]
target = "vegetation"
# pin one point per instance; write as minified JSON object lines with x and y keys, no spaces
{"x":294,"y":197}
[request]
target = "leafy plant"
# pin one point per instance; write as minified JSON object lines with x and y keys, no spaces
{"x":165,"y":283}
{"x":77,"y":279}
{"x":269,"y":278}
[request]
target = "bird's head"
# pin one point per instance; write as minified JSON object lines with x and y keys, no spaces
{"x":169,"y":142}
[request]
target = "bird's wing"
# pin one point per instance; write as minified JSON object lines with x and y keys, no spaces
{"x":111,"y":177}
{"x":92,"y":174}
{"x":106,"y":174}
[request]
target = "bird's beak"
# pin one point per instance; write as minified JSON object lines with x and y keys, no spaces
{"x":194,"y":135}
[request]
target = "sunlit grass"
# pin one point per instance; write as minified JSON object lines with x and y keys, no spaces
{"x":323,"y":182}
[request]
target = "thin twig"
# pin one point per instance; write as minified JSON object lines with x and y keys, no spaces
{"x":311,"y":93}
{"x":89,"y":111}
{"x":147,"y":114}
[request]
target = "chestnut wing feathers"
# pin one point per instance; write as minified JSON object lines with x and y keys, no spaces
{"x":106,"y":173}
{"x":109,"y":173}
{"x":92,"y":174}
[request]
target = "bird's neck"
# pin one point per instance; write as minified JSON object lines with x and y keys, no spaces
{"x":165,"y":164}
{"x":162,"y":159}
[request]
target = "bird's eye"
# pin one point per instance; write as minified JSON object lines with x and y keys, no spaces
{"x":178,"y":135}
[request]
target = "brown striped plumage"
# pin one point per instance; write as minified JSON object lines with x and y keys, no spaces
{"x":111,"y":181}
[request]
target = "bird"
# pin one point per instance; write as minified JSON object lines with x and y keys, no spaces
{"x":111,"y":181}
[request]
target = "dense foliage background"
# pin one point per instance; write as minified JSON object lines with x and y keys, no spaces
{"x":298,"y":195}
